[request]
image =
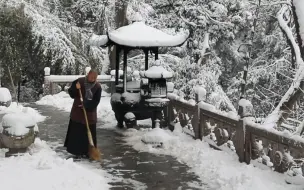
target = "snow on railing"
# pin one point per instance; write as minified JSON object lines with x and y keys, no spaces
{"x":50,"y":81}
{"x":282,"y":151}
{"x":71,"y":78}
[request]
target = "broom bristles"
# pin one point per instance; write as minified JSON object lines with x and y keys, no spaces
{"x":94,"y":153}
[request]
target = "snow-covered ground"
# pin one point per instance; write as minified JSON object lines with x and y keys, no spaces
{"x":63,"y":102}
{"x":220,"y":170}
{"x":42,"y":168}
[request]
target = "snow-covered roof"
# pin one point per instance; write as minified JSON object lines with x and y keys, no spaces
{"x":138,"y":34}
{"x":156,"y":72}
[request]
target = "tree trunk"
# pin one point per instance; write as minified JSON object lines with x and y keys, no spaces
{"x":120,"y":20}
{"x":297,"y":27}
{"x":287,"y":107}
{"x":12,"y":82}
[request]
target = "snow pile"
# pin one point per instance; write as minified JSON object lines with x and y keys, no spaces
{"x":129,"y":116}
{"x":17,"y":116}
{"x":295,"y":176}
{"x":156,"y":72}
{"x":138,"y":34}
{"x":245,"y":103}
{"x":246,"y":108}
{"x":157,"y":135}
{"x":18,"y":108}
{"x":219,"y":170}
{"x":5,"y":95}
{"x":41,"y":168}
{"x":63,"y":102}
{"x":17,"y":123}
{"x":98,"y":40}
{"x":201,"y":93}
{"x":206,"y":106}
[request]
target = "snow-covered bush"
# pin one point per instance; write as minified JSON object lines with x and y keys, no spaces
{"x":5,"y":97}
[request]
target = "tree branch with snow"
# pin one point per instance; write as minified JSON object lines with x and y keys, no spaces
{"x":280,"y":113}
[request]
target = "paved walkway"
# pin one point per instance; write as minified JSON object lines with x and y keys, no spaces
{"x":131,"y":169}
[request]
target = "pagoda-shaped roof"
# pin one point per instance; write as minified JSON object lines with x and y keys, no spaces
{"x":138,"y":34}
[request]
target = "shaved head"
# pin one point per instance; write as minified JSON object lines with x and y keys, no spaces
{"x":92,"y":75}
{"x":93,"y":71}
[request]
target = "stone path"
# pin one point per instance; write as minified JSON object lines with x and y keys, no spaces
{"x":131,"y":169}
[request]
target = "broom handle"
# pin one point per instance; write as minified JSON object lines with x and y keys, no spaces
{"x":86,"y":119}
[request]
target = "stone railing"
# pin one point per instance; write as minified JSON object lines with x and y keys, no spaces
{"x":273,"y":148}
{"x":230,"y":132}
{"x":185,"y":113}
{"x":51,"y":81}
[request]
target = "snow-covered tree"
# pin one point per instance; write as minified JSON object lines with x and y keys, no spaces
{"x":294,"y":92}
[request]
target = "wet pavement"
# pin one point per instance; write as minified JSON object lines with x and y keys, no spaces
{"x":129,"y":168}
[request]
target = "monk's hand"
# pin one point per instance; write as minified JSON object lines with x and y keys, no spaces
{"x":78,"y":85}
{"x":80,"y":106}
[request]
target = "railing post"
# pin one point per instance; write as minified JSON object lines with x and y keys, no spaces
{"x":169,"y":115}
{"x":47,"y":84}
{"x":195,"y":122}
{"x":245,"y":111}
{"x":201,"y":124}
{"x":239,"y":140}
{"x":200,"y":95}
{"x":247,"y":144}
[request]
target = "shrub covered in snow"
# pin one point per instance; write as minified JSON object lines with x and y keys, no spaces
{"x":5,"y":97}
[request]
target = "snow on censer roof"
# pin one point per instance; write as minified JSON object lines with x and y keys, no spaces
{"x":156,"y":72}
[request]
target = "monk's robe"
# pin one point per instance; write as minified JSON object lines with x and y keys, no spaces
{"x":76,"y":141}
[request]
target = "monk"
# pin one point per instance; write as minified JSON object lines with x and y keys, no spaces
{"x":76,"y":140}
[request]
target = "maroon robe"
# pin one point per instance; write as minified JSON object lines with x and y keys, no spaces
{"x":76,"y":140}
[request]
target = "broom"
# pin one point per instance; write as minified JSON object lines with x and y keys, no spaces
{"x":94,"y":153}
